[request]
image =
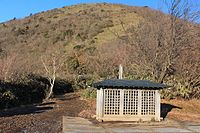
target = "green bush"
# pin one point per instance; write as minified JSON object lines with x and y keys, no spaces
{"x":89,"y":93}
{"x":73,"y":63}
{"x":7,"y":99}
{"x":29,"y":89}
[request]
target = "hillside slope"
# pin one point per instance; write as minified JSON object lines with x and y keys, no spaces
{"x":83,"y":26}
{"x":93,"y":39}
{"x":72,"y":28}
{"x":89,"y":25}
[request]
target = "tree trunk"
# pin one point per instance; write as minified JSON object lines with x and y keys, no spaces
{"x":51,"y":88}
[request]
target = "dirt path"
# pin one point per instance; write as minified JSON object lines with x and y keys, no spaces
{"x":43,"y":118}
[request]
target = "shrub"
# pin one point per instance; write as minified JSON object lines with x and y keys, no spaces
{"x":80,"y":83}
{"x":90,"y":50}
{"x":73,"y":63}
{"x":7,"y":98}
{"x":46,"y":34}
{"x":78,"y":47}
{"x":89,"y":93}
{"x":29,"y":89}
{"x":69,"y":33}
{"x":62,"y":86}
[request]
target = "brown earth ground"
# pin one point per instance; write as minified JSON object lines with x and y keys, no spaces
{"x":47,"y":117}
{"x":184,"y":110}
{"x":42,"y":118}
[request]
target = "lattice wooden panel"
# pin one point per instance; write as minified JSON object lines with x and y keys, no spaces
{"x":148,"y":102}
{"x":111,"y":101}
{"x":130,"y":102}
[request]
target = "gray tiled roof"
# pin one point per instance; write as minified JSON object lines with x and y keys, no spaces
{"x":129,"y":84}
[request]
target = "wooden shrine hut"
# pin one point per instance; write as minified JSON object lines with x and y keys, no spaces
{"x":128,"y":100}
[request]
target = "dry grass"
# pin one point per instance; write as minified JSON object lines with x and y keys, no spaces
{"x":32,"y":36}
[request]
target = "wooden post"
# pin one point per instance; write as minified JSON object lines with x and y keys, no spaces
{"x":120,"y":71}
{"x":139,"y":102}
{"x":157,"y":105}
{"x":97,"y":104}
{"x":100,"y":105}
{"x":101,"y":102}
{"x":121,"y":109}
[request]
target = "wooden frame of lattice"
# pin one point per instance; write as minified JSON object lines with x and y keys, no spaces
{"x":111,"y":102}
{"x":148,"y":102}
{"x":128,"y":105}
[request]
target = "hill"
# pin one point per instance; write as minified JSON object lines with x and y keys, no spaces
{"x":68,"y":28}
{"x":93,"y":39}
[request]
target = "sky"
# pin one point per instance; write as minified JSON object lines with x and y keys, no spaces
{"x":10,"y":9}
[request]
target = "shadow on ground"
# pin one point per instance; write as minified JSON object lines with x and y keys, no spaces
{"x":166,"y":108}
{"x":26,"y":110}
{"x":47,"y":103}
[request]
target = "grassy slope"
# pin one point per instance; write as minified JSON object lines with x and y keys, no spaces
{"x":83,"y":26}
{"x":90,"y":24}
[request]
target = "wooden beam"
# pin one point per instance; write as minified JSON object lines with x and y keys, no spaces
{"x":157,"y":105}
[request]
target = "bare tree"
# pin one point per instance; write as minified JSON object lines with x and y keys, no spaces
{"x":187,"y":10}
{"x":159,"y":38}
{"x":52,"y":65}
{"x":6,"y":65}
